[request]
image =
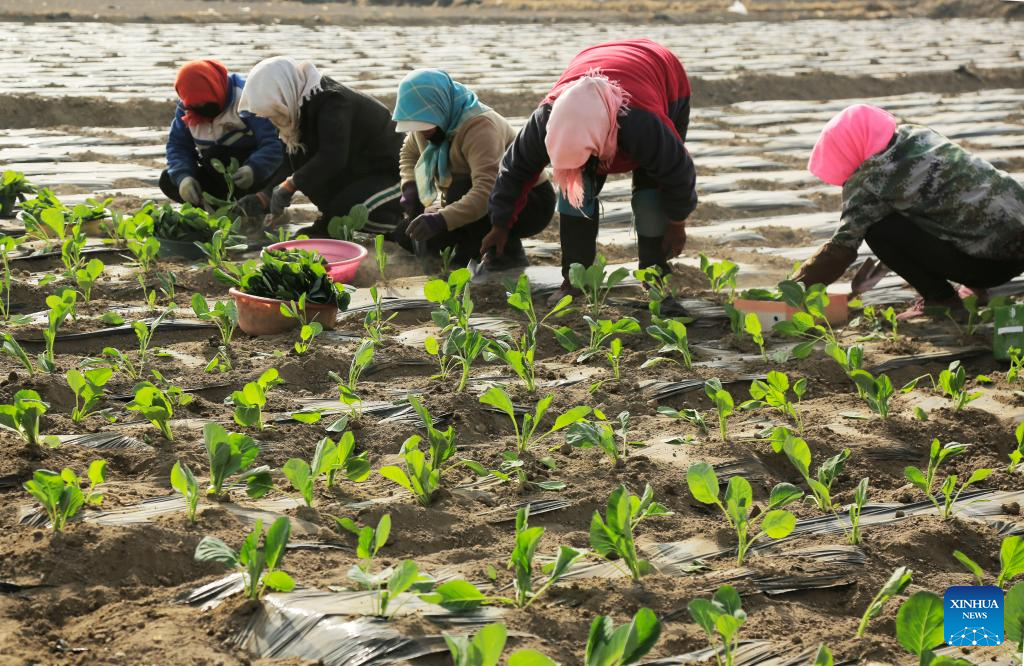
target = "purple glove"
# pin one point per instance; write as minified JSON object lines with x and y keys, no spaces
{"x":410,"y":200}
{"x":426,"y":226}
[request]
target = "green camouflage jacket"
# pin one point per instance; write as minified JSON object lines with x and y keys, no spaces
{"x":947,"y":191}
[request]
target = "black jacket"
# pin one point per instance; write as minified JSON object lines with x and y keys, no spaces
{"x":346,"y":134}
{"x":645,"y":143}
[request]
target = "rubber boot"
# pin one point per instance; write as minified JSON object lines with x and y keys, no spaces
{"x":578,"y":237}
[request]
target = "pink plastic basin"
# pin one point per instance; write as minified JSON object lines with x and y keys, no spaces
{"x":343,"y":258}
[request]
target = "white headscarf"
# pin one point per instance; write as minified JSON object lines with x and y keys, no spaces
{"x":275,"y":89}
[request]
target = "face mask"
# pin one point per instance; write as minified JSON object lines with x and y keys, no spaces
{"x":207,"y":110}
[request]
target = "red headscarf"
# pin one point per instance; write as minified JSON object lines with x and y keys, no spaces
{"x":201,"y":82}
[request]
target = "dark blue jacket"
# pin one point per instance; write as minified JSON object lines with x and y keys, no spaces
{"x":254,"y":137}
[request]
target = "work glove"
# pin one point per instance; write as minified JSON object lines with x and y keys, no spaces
{"x":282,"y":197}
{"x":410,"y":200}
{"x":675,"y":239}
{"x":190,"y":191}
{"x":244,"y":177}
{"x":827,"y":264}
{"x":253,"y":205}
{"x":496,"y":238}
{"x":426,"y":226}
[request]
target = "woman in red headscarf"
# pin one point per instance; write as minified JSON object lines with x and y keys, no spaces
{"x":207,"y":126}
{"x":619,"y":107}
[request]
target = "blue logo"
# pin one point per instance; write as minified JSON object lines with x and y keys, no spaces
{"x":973,"y":615}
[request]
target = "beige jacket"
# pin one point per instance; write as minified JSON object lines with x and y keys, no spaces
{"x":475,"y":151}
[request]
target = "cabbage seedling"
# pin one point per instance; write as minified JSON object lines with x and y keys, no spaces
{"x":724,"y":404}
{"x":250,"y":401}
{"x":361,"y":360}
{"x":230,"y":454}
{"x":601,"y":331}
{"x":898,"y":581}
{"x":308,"y":331}
{"x":594,"y":283}
{"x":752,"y":327}
{"x":586,"y":434}
{"x":7,"y":245}
{"x":328,"y":459}
{"x":380,"y":255}
{"x":183,"y":481}
{"x":345,"y":227}
{"x":369,"y":540}
{"x":608,"y":645}
{"x":799,"y":455}
{"x":462,"y":344}
{"x":919,"y":629}
{"x":259,"y":565}
{"x":389,"y":583}
{"x":419,"y":476}
{"x":122,"y":362}
{"x":22,"y":415}
{"x":775,"y":523}
{"x":445,"y":364}
{"x":877,"y":391}
{"x":61,"y":494}
{"x":60,"y":307}
{"x":671,"y":333}
{"x":447,"y":255}
{"x":521,"y":561}
{"x":484,"y":649}
{"x":71,"y":251}
{"x":691,"y":416}
{"x":860,"y":496}
{"x":519,"y":353}
{"x":721,"y":275}
{"x":441,"y":442}
{"x":1011,"y":561}
{"x":155,"y":405}
{"x":926,"y":480}
{"x":223,"y":314}
{"x":721,"y":618}
{"x":774,"y":393}
{"x":88,"y":389}
{"x":952,"y":382}
{"x":406,"y":576}
{"x":527,"y":436}
{"x":1016,"y":365}
{"x":375,"y":323}
{"x":613,"y":534}
{"x":13,"y":188}
{"x":86,"y":277}
{"x":1017,"y":455}
{"x":12,"y":347}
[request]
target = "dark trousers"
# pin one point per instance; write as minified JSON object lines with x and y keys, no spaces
{"x":214,"y":182}
{"x":360,"y":189}
{"x":929,"y":264}
{"x":534,"y":218}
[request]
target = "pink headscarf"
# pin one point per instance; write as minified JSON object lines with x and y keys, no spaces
{"x":583,"y":123}
{"x":852,"y":136}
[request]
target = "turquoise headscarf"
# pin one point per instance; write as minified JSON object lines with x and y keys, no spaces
{"x":431,"y":96}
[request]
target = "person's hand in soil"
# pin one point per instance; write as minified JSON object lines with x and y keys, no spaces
{"x":496,"y":238}
{"x":827,"y":264}
{"x":191,"y":191}
{"x":253,"y":205}
{"x":243,"y":178}
{"x":282,"y":197}
{"x":426,"y":226}
{"x":675,"y":239}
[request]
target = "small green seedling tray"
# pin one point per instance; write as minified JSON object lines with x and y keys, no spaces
{"x":1008,"y":330}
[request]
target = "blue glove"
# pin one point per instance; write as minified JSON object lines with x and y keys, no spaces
{"x":426,"y":226}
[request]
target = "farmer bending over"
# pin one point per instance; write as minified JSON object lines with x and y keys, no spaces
{"x":619,"y":107}
{"x":453,"y":148}
{"x":207,"y":126}
{"x":928,"y":209}
{"x":341,"y":144}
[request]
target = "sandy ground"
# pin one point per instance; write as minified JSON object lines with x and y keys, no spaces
{"x":445,"y":11}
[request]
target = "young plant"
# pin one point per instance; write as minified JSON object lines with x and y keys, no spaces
{"x":860,"y":496}
{"x":919,"y":629}
{"x":752,"y":327}
{"x":671,"y":333}
{"x":614,"y":442}
{"x":691,"y":416}
{"x":1016,"y":365}
{"x":259,"y":566}
{"x":799,"y":455}
{"x":774,"y":393}
{"x":88,"y":390}
{"x":601,"y":331}
{"x":375,"y":323}
{"x":613,"y":534}
{"x":608,"y":645}
{"x":462,"y":343}
{"x":345,"y":227}
{"x":22,"y":415}
{"x":447,"y":255}
{"x":380,"y":255}
{"x":484,"y":649}
{"x":369,"y":541}
{"x":724,"y":404}
{"x":224,"y":314}
{"x":183,"y":481}
{"x":926,"y":480}
{"x":361,"y":360}
{"x":230,"y":454}
{"x":775,"y":523}
{"x":420,"y":477}
{"x":898,"y":581}
{"x":61,"y":494}
{"x":1017,"y":455}
{"x":328,"y":459}
{"x":952,"y":382}
{"x":721,"y":618}
{"x":250,"y":401}
{"x":1011,"y":561}
{"x":308,"y":330}
{"x":144,"y":333}
{"x":721,"y":275}
{"x":877,"y":391}
{"x":7,"y":245}
{"x":526,"y":436}
{"x":60,"y":307}
{"x":595,"y":284}
{"x":521,"y":561}
{"x":12,"y":347}
{"x":86,"y":277}
{"x":13,"y":188}
{"x":154,"y":405}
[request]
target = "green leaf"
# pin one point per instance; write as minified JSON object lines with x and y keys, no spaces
{"x":1011,"y":558}
{"x":276,"y":540}
{"x":573,"y":415}
{"x":970,"y":565}
{"x":403,"y":577}
{"x":823,"y":657}
{"x":530,"y":657}
{"x":919,"y":623}
{"x":778,"y":524}
{"x":497,"y":398}
{"x":643,"y":634}
{"x":703,"y":483}
{"x":1013,"y":615}
{"x":280,"y":581}
{"x":212,"y":549}
{"x":457,"y":596}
